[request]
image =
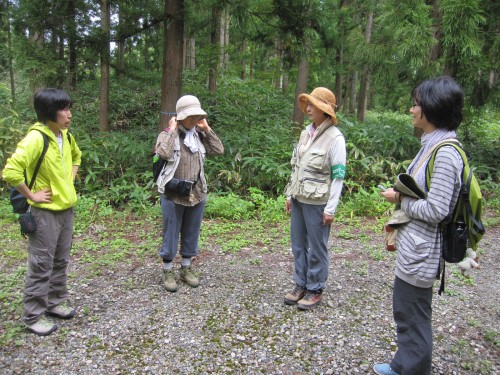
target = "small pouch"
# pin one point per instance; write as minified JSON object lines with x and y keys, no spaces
{"x":390,"y":237}
{"x":455,"y":238}
{"x":181,"y":187}
{"x":28,"y":223}
{"x":18,"y":201}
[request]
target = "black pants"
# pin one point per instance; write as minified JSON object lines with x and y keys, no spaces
{"x":412,"y":310}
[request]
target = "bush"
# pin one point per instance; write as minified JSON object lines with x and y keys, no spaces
{"x":230,"y":207}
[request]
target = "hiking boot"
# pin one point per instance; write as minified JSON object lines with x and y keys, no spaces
{"x":62,"y":311}
{"x":189,"y":277}
{"x":384,"y":369}
{"x":43,"y":327}
{"x":295,"y":295}
{"x":310,"y":300}
{"x":169,"y":281}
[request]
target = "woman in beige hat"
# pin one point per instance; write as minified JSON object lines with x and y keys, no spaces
{"x":183,"y":187}
{"x":318,"y":171}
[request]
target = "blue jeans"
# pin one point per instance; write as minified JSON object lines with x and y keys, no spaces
{"x":183,"y":221}
{"x":309,"y":245}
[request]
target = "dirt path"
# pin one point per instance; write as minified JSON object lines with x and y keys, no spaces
{"x":236,"y":323}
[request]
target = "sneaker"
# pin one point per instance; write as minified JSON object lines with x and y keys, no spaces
{"x":384,"y":369}
{"x":295,"y":295}
{"x":169,"y":281}
{"x":310,"y":300}
{"x":62,"y":311}
{"x":43,"y":327}
{"x":189,"y":277}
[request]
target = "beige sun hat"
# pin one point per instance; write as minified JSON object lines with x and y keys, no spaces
{"x":321,"y":98}
{"x":188,"y":105}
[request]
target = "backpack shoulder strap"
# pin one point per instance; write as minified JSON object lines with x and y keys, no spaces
{"x":40,"y":159}
{"x":430,"y":165}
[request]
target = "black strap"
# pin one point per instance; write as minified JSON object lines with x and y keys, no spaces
{"x":40,"y":159}
{"x":441,"y":286}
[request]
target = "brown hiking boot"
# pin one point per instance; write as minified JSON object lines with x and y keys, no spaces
{"x":169,"y":280}
{"x":310,"y":300}
{"x":189,"y":277}
{"x":295,"y":295}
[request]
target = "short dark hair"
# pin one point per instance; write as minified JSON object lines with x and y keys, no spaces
{"x":441,"y":100}
{"x":48,"y":101}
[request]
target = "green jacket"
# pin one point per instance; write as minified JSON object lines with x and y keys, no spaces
{"x":56,"y":170}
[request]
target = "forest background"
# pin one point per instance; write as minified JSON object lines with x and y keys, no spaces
{"x":125,"y":64}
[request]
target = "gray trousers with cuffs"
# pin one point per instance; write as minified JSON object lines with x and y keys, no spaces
{"x":309,"y":239}
{"x":183,"y":221}
{"x":48,"y":258}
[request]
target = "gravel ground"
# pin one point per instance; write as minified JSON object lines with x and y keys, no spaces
{"x":236,"y":322}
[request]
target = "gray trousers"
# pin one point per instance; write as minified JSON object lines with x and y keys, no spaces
{"x":48,"y":258}
{"x":412,"y":309}
{"x":309,"y":239}
{"x":184,"y":221}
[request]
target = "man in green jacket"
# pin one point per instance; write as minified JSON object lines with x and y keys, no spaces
{"x":52,"y":199}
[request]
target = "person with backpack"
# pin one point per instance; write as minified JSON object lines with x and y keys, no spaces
{"x":183,"y":187}
{"x":437,"y":111}
{"x":52,"y":199}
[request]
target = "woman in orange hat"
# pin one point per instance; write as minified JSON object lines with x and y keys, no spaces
{"x":318,"y":171}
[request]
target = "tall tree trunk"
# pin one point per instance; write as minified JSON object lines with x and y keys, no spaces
{"x":190,"y":53}
{"x":354,"y":85}
{"x":251,"y":68}
{"x":10,"y":58}
{"x":215,"y":42}
{"x":121,"y":41}
{"x":171,"y":80}
{"x":243,"y":60}
{"x":347,"y":96}
{"x":436,"y":50}
{"x":105,"y":29}
{"x":147,"y":62}
{"x":71,"y":12}
{"x":301,"y":87}
{"x":365,"y":77}
{"x":60,"y":57}
{"x":224,"y":39}
{"x":339,"y":76}
{"x":286,"y":83}
{"x":277,"y":67}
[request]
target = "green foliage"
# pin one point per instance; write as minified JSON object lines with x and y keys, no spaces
{"x":379,"y":149}
{"x":116,"y":166}
{"x":230,"y":207}
{"x":11,"y":128}
{"x":362,"y":203}
{"x":257,"y":136}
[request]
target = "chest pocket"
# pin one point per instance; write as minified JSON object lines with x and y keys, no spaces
{"x":316,"y":159}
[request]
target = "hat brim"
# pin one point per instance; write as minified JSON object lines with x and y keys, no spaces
{"x":191,"y":112}
{"x":304,"y":99}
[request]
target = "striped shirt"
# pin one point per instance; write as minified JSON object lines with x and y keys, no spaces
{"x":419,"y":241}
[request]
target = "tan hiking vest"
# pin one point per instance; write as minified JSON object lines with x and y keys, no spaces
{"x":311,"y":173}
